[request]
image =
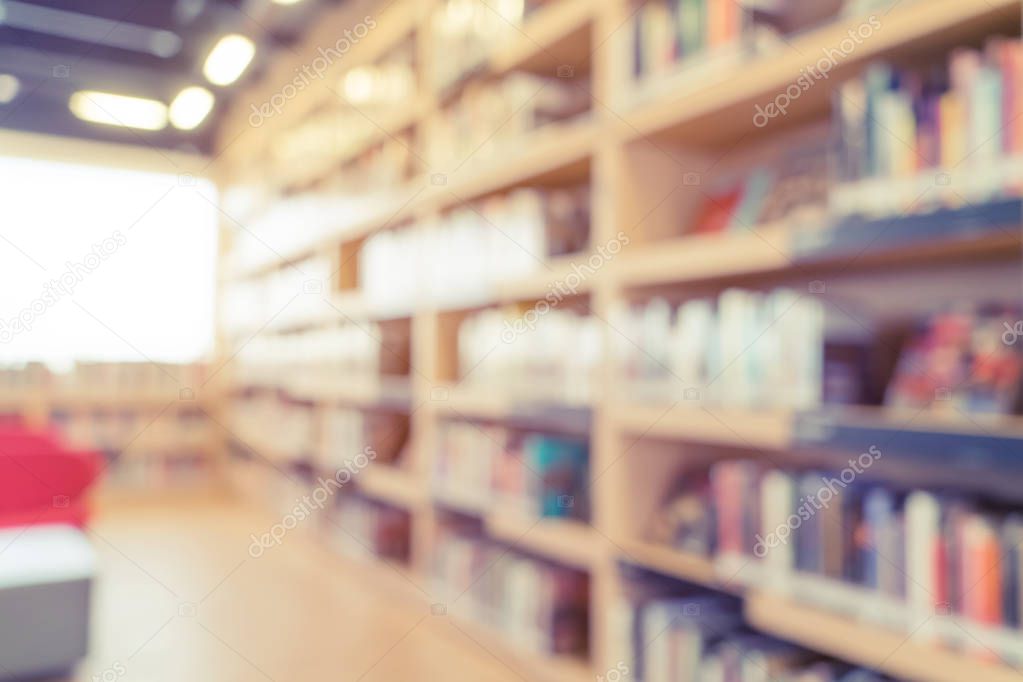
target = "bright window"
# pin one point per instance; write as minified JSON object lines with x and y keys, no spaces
{"x":104,"y":264}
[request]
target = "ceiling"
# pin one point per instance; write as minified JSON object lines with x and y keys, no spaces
{"x":143,"y":48}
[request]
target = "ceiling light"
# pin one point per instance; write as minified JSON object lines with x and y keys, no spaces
{"x":190,"y":107}
{"x":228,"y":59}
{"x":9,"y":87}
{"x":286,"y":2}
{"x":119,"y":110}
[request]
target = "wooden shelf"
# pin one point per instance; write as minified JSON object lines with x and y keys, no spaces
{"x":718,"y":108}
{"x":667,"y":561}
{"x":386,"y":392}
{"x":461,"y":501}
{"x":690,"y":259}
{"x":720,"y":426}
{"x":392,"y":485}
{"x":901,"y":655}
{"x":478,"y":403}
{"x":556,"y":154}
{"x":704,"y":111}
{"x":568,"y":542}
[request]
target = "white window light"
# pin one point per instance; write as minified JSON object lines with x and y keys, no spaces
{"x":190,"y":107}
{"x":228,"y":59}
{"x":119,"y":110}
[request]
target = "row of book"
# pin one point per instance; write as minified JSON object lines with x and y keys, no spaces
{"x":465,"y":32}
{"x":180,"y":468}
{"x":529,"y":474}
{"x":783,"y":349}
{"x":666,"y":32}
{"x":669,"y":34}
{"x":330,"y":134}
{"x":542,"y":354}
{"x":328,"y":437}
{"x":489,"y":120}
{"x":963,"y":360}
{"x":747,"y":348}
{"x":894,"y":122}
{"x":845,"y":542}
{"x":538,"y":606}
{"x":365,"y":528}
{"x":278,"y":428}
{"x":103,"y":378}
{"x":295,"y":294}
{"x":790,"y":183}
{"x":312,"y":362}
{"x":473,"y":248}
{"x":701,"y":636}
{"x":133,"y":429}
{"x":346,"y":433}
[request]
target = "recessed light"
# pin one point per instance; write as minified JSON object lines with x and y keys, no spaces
{"x":190,"y":107}
{"x":9,"y":87}
{"x":118,"y":110}
{"x":228,"y":59}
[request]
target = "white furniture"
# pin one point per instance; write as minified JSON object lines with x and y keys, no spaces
{"x":46,"y":576}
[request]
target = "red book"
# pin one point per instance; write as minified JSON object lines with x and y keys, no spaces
{"x":717,"y":211}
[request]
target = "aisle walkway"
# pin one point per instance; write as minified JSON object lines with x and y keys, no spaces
{"x":180,"y":598}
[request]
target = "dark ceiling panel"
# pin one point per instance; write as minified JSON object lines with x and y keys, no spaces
{"x":52,"y":67}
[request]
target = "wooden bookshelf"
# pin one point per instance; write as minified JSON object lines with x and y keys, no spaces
{"x":903,"y":655}
{"x":666,"y":561}
{"x":635,"y":139}
{"x":392,"y":485}
{"x":572,"y":543}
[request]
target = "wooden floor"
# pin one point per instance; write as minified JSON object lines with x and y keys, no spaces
{"x":180,"y":598}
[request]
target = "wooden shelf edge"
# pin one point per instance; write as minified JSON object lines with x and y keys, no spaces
{"x":564,"y":541}
{"x":392,"y":485}
{"x":770,"y":430}
{"x":898,"y":654}
{"x":671,"y":562}
{"x":703,"y":257}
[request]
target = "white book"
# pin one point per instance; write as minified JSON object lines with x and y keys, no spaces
{"x":923,"y":518}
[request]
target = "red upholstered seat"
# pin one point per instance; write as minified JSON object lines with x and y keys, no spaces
{"x":41,"y":481}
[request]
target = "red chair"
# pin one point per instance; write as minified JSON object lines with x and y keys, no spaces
{"x":41,"y":481}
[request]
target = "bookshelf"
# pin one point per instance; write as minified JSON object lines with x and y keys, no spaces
{"x":634,"y":146}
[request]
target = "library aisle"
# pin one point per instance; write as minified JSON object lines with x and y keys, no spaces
{"x":543,"y":340}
